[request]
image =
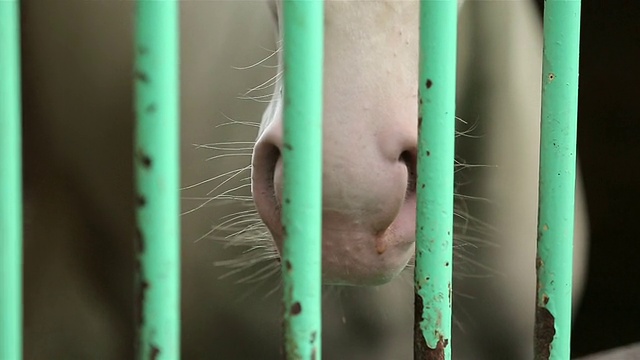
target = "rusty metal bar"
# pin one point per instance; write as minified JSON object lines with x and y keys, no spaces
{"x":557,"y":178}
{"x":434,"y":214}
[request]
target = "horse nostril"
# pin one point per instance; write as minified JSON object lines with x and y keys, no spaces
{"x":265,"y":181}
{"x":409,"y":159}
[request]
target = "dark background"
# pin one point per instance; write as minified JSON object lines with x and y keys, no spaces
{"x":609,"y":148}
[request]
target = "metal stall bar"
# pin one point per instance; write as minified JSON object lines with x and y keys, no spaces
{"x":10,"y":183}
{"x":557,"y":178}
{"x":436,"y":138}
{"x":302,"y":187}
{"x":156,"y":161}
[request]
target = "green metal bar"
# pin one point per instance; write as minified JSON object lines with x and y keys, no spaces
{"x":10,"y":184}
{"x":436,"y":139}
{"x":557,"y":178}
{"x":302,"y":173}
{"x":156,"y":161}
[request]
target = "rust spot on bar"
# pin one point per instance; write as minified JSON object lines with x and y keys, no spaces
{"x":421,"y":351}
{"x":419,"y":343}
{"x":141,"y":76}
{"x":138,"y":241}
{"x":296,"y":308}
{"x":151,"y":108}
{"x":544,"y":332}
{"x":141,"y":200}
{"x":144,"y":159}
{"x":142,"y":289}
{"x":143,"y":50}
{"x":290,"y":347}
{"x":552,"y":76}
{"x":154,"y":352}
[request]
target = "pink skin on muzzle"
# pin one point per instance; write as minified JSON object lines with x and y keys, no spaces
{"x":370,"y":140}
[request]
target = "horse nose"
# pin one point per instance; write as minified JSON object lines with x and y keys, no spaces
{"x":368,"y":197}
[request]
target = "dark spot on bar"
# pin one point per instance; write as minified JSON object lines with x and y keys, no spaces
{"x":143,"y":50}
{"x":420,"y":118}
{"x":138,"y":241}
{"x":423,"y":186}
{"x":151,"y":108}
{"x":552,"y":76}
{"x":141,"y":76}
{"x":142,"y":289}
{"x":154,"y":352}
{"x":421,"y":227}
{"x":427,"y":278}
{"x":428,"y":153}
{"x":449,"y":232}
{"x":419,"y":341}
{"x":545,"y":299}
{"x":544,"y":332}
{"x":284,"y":230}
{"x":296,"y":308}
{"x":287,"y":201}
{"x":141,"y":200}
{"x":314,"y":336}
{"x":446,"y":264}
{"x":287,"y":264}
{"x":539,"y":263}
{"x":429,"y":83}
{"x":288,"y":146}
{"x":144,"y":159}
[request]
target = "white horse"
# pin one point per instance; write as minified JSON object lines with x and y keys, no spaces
{"x":78,"y":222}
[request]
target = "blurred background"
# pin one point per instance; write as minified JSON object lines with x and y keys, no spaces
{"x":77,"y":66}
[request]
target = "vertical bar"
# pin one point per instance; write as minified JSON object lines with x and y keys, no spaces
{"x":10,"y":184}
{"x":156,"y":161}
{"x":302,"y":188}
{"x":557,"y":178}
{"x":436,"y":137}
